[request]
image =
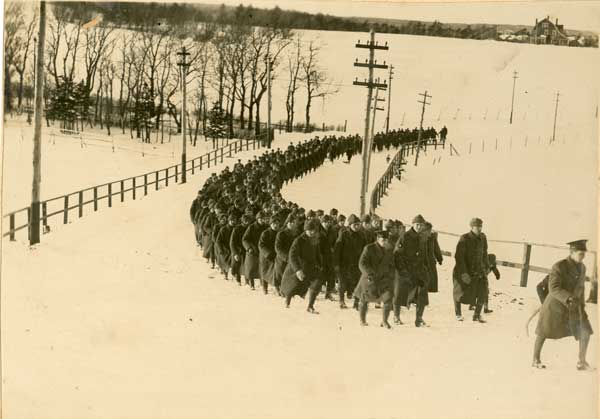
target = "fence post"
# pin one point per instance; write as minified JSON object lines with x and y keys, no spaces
{"x":526,"y":260}
{"x":145,"y":184}
{"x":12,"y":227}
{"x":177,"y":173}
{"x":95,"y":198}
{"x":209,"y":158}
{"x":109,"y":195}
{"x":133,"y":187}
{"x":28,"y":223}
{"x":200,"y":168}
{"x":166,"y":177}
{"x":193,"y":164}
{"x":122,"y":191}
{"x":230,"y":149}
{"x":156,"y":181}
{"x":470,"y":146}
{"x":80,"y":204}
{"x":45,"y":215}
{"x":66,"y":210}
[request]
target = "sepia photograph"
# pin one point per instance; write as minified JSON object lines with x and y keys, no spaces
{"x":297,"y":209}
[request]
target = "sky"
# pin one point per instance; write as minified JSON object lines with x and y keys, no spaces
{"x":582,"y":15}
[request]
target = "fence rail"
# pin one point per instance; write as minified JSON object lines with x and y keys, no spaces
{"x":120,"y":189}
{"x":394,"y":170}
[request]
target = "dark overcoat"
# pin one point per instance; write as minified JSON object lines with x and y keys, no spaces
{"x":433,"y":257}
{"x":558,"y":319}
{"x":411,"y":270}
{"x":472,"y":258}
{"x":283,"y":242}
{"x":304,"y":256}
{"x":208,"y":224}
{"x":237,"y":249}
{"x":222,"y":248}
{"x":266,"y":260}
{"x":250,"y":242}
{"x":376,"y":266}
{"x":347,"y":250}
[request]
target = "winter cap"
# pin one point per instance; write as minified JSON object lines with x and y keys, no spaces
{"x":312,"y":224}
{"x":311,"y":213}
{"x":333,"y":212}
{"x":383,"y":233}
{"x":476,"y":222}
{"x":366,"y":218}
{"x":418,"y":219}
{"x":353,"y":219}
{"x":326,"y":219}
{"x":579,"y":245}
{"x":341,"y":218}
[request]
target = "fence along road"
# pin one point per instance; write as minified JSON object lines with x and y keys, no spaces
{"x":120,"y":189}
{"x":395,"y":170}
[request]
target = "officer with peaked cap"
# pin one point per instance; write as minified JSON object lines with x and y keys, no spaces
{"x":470,"y":271}
{"x":563,"y":311}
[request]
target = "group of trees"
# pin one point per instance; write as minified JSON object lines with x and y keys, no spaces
{"x":97,"y":73}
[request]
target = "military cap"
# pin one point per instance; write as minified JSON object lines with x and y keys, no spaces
{"x":341,"y":218}
{"x":383,"y":233}
{"x":418,"y":219}
{"x":326,"y":219}
{"x":320,"y":213}
{"x":353,"y":219}
{"x":311,"y":213}
{"x":312,"y":224}
{"x":476,"y":222}
{"x":579,"y":245}
{"x":389,"y":224}
{"x":366,"y":218}
{"x":333,"y":212}
{"x":247,"y":219}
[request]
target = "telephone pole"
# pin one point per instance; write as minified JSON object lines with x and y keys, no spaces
{"x":370,"y":151}
{"x":269,"y":101}
{"x":389,"y":101}
{"x":34,"y":237}
{"x":183,"y":64}
{"x":424,"y":102}
{"x":515,"y":77}
{"x":371,"y":64}
{"x":555,"y":114}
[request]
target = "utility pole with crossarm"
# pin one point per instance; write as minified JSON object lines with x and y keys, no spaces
{"x":424,"y":102}
{"x":371,"y":64}
{"x":183,"y":64}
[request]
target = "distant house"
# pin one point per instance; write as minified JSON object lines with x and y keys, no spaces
{"x":547,"y":32}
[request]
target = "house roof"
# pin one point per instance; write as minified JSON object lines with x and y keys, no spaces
{"x":559,"y":28}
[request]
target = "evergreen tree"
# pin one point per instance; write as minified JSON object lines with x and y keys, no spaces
{"x":143,"y":112}
{"x":62,"y":104}
{"x":217,"y":123}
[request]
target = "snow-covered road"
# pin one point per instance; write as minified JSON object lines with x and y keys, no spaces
{"x":118,"y":316}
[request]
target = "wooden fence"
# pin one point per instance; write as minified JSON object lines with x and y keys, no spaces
{"x":394,"y":170}
{"x":117,"y":191}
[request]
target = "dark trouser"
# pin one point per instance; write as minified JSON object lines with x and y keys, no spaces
{"x":329,"y":278}
{"x":265,"y":286}
{"x":348,"y":281}
{"x":457,"y":308}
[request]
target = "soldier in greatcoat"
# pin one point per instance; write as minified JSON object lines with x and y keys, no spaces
{"x":266,"y":249}
{"x":250,"y":242}
{"x":303,"y":272}
{"x":238,"y":253}
{"x":470,"y":271}
{"x":222,"y":247}
{"x":563,"y":311}
{"x":348,"y":248}
{"x":376,"y":265}
{"x":327,"y":238}
{"x":409,"y":260}
{"x":283,"y":242}
{"x":433,"y":256}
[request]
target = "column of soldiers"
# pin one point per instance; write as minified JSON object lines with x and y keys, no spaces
{"x":245,"y":228}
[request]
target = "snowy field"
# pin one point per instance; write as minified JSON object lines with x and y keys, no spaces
{"x":118,"y":316}
{"x":129,"y":322}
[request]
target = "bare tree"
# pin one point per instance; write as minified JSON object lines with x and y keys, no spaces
{"x":99,"y":44}
{"x":25,"y":50}
{"x":315,"y":80}
{"x":13,"y":25}
{"x":293,"y":68}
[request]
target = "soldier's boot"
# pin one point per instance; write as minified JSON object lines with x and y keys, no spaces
{"x":397,"y":314}
{"x":364,"y":307}
{"x":356,"y":304}
{"x":312,"y":297}
{"x":419,"y":322}
{"x":265,"y":286}
{"x":238,"y":279}
{"x":486,"y":308}
{"x":387,"y":308}
{"x":252,"y":284}
{"x":288,"y":300}
{"x":477,"y":315}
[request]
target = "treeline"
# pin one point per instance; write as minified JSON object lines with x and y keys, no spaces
{"x":101,"y":74}
{"x":178,"y":14}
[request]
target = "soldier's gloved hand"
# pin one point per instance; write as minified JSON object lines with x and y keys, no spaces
{"x":300,"y":275}
{"x":249,"y":251}
{"x":236,"y":257}
{"x":466,"y":278}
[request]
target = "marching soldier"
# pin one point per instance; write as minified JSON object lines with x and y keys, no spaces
{"x":470,"y":272}
{"x":433,"y":256}
{"x":250,"y":242}
{"x":238,"y":253}
{"x":327,"y":243}
{"x":377,"y":275}
{"x":266,"y":248}
{"x":304,"y":268}
{"x":347,"y":251}
{"x":222,"y":247}
{"x":563,"y":311}
{"x":409,"y":259}
{"x":283,"y":242}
